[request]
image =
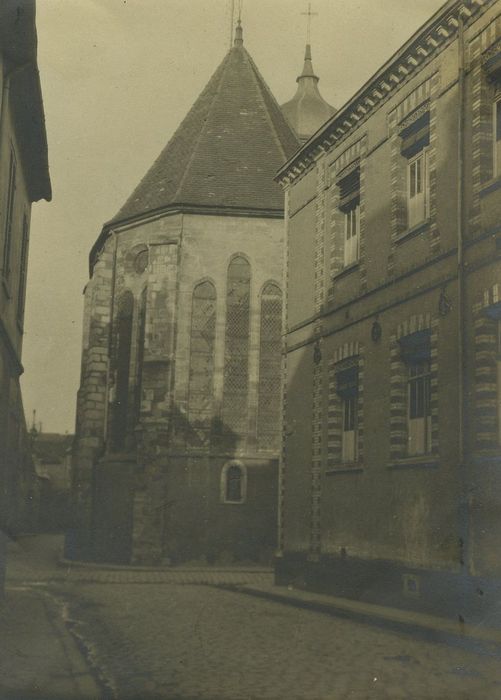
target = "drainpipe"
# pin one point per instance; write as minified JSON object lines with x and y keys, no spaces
{"x":464,"y":515}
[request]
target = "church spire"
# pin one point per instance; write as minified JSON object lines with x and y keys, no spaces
{"x":308,"y":71}
{"x":239,"y":34}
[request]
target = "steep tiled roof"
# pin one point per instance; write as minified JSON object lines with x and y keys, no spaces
{"x":226,"y":151}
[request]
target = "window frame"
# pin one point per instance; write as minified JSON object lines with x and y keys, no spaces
{"x":225,"y":471}
{"x":419,"y":218}
{"x":419,"y":384}
{"x":349,"y":437}
{"x":353,"y":213}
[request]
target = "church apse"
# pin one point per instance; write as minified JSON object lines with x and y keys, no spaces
{"x":190,"y":379}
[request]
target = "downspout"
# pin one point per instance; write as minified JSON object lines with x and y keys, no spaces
{"x":464,"y":525}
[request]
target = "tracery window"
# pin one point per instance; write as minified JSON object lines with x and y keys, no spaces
{"x":203,"y":332}
{"x":270,"y":353}
{"x":236,"y":355}
{"x":141,"y":336}
{"x":122,"y":365}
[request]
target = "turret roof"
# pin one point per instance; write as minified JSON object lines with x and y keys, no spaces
{"x":307,"y":110}
{"x":227,"y":149}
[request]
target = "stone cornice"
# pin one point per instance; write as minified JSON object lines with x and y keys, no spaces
{"x":172,"y":210}
{"x":421,"y":48}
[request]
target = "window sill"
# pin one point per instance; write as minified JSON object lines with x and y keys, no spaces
{"x":232,"y":503}
{"x":346,"y":270}
{"x":348,"y":468}
{"x":491,"y":186}
{"x":414,"y":231}
{"x":418,"y":462}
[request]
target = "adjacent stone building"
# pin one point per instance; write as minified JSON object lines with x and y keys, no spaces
{"x":178,"y":415}
{"x":24,"y":178}
{"x":390,"y":484}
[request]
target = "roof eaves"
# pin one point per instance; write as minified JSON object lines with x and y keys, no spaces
{"x":447,"y":14}
{"x":178,"y":208}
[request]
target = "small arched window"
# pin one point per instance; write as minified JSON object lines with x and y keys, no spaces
{"x":233,"y":483}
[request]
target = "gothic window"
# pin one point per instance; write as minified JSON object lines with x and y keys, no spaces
{"x":236,"y":355}
{"x":203,"y":333}
{"x":141,"y":261}
{"x":141,"y":335}
{"x":122,"y":364}
{"x":233,"y":483}
{"x":270,"y":353}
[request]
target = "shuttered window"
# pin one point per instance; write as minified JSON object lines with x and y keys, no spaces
{"x":347,"y":389}
{"x":416,"y":353}
{"x":349,"y":204}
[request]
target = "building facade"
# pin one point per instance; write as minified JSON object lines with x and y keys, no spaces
{"x":178,"y":416}
{"x":24,"y":179}
{"x":391,"y":471}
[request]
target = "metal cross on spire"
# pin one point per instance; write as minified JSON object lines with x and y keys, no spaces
{"x":309,"y":14}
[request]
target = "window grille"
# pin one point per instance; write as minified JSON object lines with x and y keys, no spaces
{"x":236,"y":357}
{"x":123,"y":352}
{"x":141,"y":337}
{"x":203,"y":333}
{"x":270,"y":354}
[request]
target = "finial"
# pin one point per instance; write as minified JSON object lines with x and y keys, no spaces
{"x":309,"y":14}
{"x":239,"y":39}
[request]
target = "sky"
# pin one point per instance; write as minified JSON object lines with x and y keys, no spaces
{"x":118,"y":76}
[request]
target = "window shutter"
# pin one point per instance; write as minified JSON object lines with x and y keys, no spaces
{"x":416,"y":347}
{"x":347,"y":381}
{"x":349,"y":187}
{"x":416,"y":136}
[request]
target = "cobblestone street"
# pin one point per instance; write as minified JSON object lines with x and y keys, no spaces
{"x":181,"y":642}
{"x":199,"y":642}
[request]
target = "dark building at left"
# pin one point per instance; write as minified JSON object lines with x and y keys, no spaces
{"x":24,"y":179}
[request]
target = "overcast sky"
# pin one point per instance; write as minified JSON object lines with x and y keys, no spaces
{"x":117,"y":78}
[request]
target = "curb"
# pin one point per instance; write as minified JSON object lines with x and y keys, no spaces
{"x":71,"y":563}
{"x":482,"y":640}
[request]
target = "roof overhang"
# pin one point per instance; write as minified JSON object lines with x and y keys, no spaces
{"x":18,"y":45}
{"x":426,"y":42}
{"x":172,"y":210}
